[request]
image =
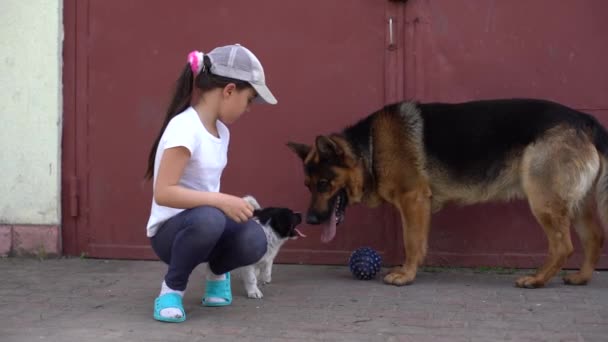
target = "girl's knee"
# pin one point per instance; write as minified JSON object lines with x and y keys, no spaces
{"x":253,"y":241}
{"x":246,"y":246}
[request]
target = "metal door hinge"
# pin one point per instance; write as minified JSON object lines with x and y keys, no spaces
{"x":391,"y":34}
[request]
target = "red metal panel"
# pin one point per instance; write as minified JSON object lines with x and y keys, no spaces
{"x":468,"y":49}
{"x":324,"y":61}
{"x":328,"y":65}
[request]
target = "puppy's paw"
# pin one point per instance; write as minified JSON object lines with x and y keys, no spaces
{"x":255,"y":293}
{"x":266,"y":279}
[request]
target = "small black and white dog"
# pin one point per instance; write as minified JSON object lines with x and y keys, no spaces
{"x":279,"y":224}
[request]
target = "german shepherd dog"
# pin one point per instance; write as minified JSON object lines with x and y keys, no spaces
{"x":419,"y":157}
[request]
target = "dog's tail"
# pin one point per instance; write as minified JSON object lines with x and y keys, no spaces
{"x":600,"y":140}
{"x":254,"y":203}
{"x":601,"y":190}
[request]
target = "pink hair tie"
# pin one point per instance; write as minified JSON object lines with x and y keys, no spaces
{"x":195,"y":58}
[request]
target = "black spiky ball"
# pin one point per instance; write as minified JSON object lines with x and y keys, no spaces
{"x":364,"y":263}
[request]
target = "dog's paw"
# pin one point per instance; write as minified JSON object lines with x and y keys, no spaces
{"x":266,"y":279}
{"x":255,"y":294}
{"x":400,"y":276}
{"x":577,"y":278}
{"x":530,"y":282}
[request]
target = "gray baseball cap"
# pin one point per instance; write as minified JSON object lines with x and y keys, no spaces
{"x":238,"y":62}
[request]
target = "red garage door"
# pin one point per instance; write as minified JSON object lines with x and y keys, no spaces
{"x":469,"y":49}
{"x":329,"y":62}
{"x":326,"y":61}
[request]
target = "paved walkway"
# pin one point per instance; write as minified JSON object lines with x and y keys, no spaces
{"x":97,"y":300}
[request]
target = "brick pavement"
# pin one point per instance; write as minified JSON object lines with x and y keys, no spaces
{"x":97,"y":300}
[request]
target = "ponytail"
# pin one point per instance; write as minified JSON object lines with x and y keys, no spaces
{"x":187,"y":84}
{"x":181,"y":100}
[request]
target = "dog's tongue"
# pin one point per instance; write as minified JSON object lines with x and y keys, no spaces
{"x":329,"y":230}
{"x":299,"y":233}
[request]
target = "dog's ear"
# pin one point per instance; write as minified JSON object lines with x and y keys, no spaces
{"x":298,"y":218}
{"x":327,"y":147}
{"x":263,"y":215}
{"x":301,"y":150}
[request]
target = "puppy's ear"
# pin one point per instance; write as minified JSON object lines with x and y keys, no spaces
{"x":298,"y":218}
{"x":301,"y":150}
{"x":262,"y":215}
{"x":327,"y":147}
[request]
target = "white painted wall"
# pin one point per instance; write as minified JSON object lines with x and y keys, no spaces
{"x":31,"y":38}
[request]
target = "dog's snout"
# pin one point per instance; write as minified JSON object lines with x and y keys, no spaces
{"x":312,"y":218}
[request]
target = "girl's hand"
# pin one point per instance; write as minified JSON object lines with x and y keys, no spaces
{"x":236,"y":208}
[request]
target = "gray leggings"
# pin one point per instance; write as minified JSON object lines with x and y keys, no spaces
{"x":206,"y":234}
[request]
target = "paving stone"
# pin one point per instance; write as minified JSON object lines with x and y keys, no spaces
{"x":73,"y":299}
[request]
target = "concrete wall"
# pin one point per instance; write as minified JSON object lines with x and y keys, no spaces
{"x":30,"y":111}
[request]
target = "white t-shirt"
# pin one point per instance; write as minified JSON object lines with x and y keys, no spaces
{"x":208,"y":157}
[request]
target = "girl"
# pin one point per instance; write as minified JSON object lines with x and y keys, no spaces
{"x":191,"y":222}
